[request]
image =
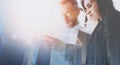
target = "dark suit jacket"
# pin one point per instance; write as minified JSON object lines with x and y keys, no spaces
{"x":112,"y":36}
{"x":103,"y":47}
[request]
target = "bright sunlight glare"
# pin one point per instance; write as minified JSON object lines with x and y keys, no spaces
{"x":28,"y":18}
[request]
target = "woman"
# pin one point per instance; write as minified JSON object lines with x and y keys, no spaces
{"x":103,"y":47}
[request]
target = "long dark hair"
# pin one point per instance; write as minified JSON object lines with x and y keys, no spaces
{"x":103,"y":5}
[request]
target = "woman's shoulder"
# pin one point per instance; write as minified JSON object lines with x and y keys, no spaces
{"x":112,"y":16}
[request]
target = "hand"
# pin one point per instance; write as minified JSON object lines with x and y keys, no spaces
{"x":54,"y":41}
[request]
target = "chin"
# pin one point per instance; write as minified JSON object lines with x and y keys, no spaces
{"x":93,"y":19}
{"x":70,"y":26}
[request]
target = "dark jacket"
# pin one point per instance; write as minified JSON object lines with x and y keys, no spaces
{"x":104,"y":43}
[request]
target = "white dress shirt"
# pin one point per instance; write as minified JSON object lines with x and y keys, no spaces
{"x":73,"y":32}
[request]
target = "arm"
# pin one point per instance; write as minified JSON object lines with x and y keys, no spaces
{"x":112,"y":34}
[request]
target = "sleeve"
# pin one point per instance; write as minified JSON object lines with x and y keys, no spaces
{"x":112,"y":34}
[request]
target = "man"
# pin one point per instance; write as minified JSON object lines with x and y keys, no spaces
{"x":70,"y":11}
{"x":104,"y":43}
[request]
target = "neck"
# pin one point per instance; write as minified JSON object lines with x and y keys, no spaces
{"x":74,"y":24}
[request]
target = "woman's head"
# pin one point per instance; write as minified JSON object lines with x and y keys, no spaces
{"x":95,"y":9}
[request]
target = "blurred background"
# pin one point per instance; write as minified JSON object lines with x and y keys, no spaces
{"x":23,"y":23}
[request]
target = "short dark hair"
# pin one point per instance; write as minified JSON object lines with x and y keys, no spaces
{"x":102,"y":4}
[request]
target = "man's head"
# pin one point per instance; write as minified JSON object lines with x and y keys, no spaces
{"x":95,"y":9}
{"x":70,"y":12}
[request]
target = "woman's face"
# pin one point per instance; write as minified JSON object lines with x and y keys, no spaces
{"x":92,"y":10}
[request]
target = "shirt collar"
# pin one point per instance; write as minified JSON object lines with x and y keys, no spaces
{"x":75,"y":28}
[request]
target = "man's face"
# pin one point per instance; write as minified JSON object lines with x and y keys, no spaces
{"x":92,"y":10}
{"x":70,"y":13}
